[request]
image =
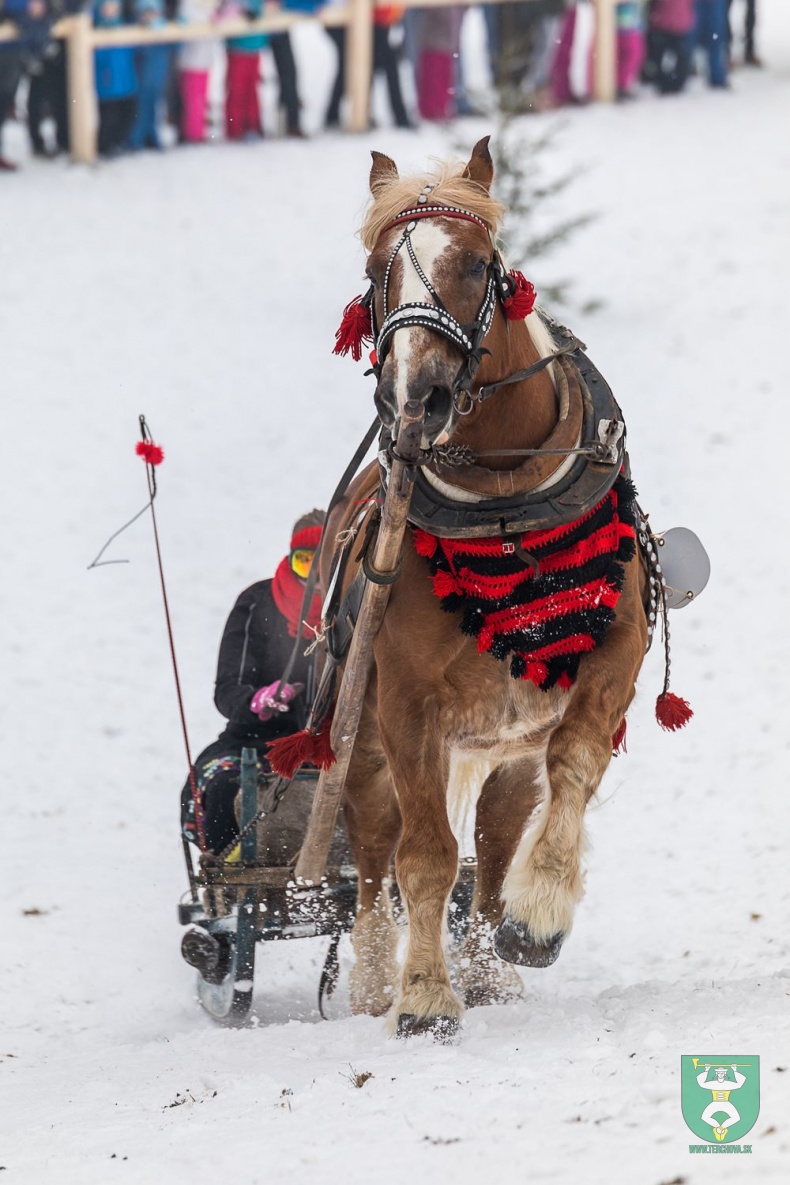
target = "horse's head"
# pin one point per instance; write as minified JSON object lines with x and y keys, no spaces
{"x":436,"y":279}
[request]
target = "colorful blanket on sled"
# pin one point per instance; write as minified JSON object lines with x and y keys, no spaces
{"x":545,"y":617}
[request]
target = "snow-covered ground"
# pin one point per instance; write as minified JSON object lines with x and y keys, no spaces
{"x":203,"y":288}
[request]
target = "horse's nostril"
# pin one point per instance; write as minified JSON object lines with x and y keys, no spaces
{"x":438,"y":403}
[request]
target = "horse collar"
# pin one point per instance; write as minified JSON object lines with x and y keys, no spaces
{"x":569,"y":493}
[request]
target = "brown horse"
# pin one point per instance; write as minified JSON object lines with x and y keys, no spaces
{"x":440,"y":300}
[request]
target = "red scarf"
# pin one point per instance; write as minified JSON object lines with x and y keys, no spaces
{"x":288,"y":589}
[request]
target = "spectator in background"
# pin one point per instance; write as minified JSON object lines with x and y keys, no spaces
{"x":630,"y":46}
{"x":711,"y":35}
{"x":242,"y":104}
{"x":116,"y":83}
{"x":195,"y":59}
{"x":10,"y":74}
{"x":153,"y":71}
{"x":670,"y":24}
{"x":437,"y":44}
{"x":285,"y":65}
{"x":34,"y":46}
{"x":46,"y":96}
{"x":385,"y":61}
{"x":571,"y":67}
{"x":750,"y":57}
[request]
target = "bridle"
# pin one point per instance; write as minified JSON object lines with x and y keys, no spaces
{"x":435,"y":316}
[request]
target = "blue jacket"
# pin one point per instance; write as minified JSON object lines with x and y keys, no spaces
{"x":115,"y":73}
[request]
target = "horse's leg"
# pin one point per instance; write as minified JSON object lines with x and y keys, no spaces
{"x":373,"y":823}
{"x":506,"y":802}
{"x":544,"y":882}
{"x":426,"y":864}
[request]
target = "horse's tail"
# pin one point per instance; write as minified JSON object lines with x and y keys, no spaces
{"x":468,"y":772}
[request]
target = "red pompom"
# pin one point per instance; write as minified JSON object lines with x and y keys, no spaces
{"x":672,"y":712}
{"x":424,"y":544}
{"x":522,"y":302}
{"x":287,"y":754}
{"x":152,"y":454}
{"x":445,"y":584}
{"x":618,"y":740}
{"x":355,"y":328}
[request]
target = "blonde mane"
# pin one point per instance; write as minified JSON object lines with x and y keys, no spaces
{"x":450,"y":188}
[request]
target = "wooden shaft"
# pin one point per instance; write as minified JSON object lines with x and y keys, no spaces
{"x":604,"y":84}
{"x":359,"y":64}
{"x":348,"y":709}
{"x":81,"y":89}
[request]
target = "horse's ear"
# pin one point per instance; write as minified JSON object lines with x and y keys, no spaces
{"x":382,"y":170}
{"x":480,"y":167}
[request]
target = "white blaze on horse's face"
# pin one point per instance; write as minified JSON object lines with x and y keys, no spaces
{"x":430,"y":242}
{"x":421,"y":365}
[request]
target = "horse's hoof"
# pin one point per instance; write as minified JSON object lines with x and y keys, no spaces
{"x":441,"y":1028}
{"x":514,"y":943}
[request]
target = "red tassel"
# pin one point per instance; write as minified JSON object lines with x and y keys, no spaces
{"x":355,"y":328}
{"x":522,"y":302}
{"x":672,"y":712}
{"x":424,"y":544}
{"x":444,"y":584}
{"x":152,"y":454}
{"x":618,"y":740}
{"x":287,"y":754}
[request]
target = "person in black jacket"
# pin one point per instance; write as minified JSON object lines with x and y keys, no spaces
{"x":255,"y":649}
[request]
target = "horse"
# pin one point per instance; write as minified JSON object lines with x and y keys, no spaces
{"x":523,"y":445}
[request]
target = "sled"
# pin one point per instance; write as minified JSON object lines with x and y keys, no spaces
{"x":255,"y":900}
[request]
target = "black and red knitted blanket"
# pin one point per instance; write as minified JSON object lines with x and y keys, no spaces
{"x":544,"y":613}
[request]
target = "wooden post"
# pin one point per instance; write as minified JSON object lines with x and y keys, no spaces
{"x":348,"y":710}
{"x":359,"y":64}
{"x":81,"y":90}
{"x":605,"y":87}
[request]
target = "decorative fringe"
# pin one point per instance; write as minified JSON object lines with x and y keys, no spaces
{"x":355,"y":328}
{"x":287,"y":754}
{"x":618,"y":740}
{"x":541,"y":624}
{"x":424,"y":544}
{"x":522,"y":301}
{"x":444,"y":584}
{"x":672,"y":712}
{"x":152,"y":454}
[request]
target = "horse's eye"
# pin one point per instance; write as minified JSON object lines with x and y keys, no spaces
{"x":478,"y":268}
{"x":371,"y":277}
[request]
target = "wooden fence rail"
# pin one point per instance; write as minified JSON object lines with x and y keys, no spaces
{"x":81,"y":38}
